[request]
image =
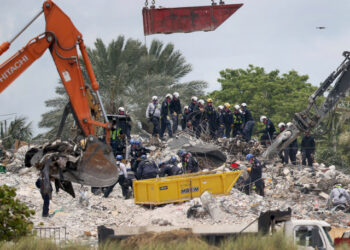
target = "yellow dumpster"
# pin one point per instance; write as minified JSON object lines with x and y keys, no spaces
{"x":183,"y":187}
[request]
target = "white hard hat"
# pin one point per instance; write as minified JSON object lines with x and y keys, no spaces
{"x":237,"y":106}
{"x":281,"y":124}
{"x":176,"y":95}
{"x":262,"y":118}
{"x":154,"y":98}
{"x":289,"y":124}
{"x":186,"y":107}
{"x":220,"y":107}
{"x":194,"y":98}
{"x":244,"y":104}
{"x":121,"y":109}
{"x":168,"y":96}
{"x":201,"y":101}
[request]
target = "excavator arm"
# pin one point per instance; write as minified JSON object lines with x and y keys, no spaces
{"x":313,"y":114}
{"x":62,"y":39}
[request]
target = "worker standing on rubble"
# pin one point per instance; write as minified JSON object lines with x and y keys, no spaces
{"x":248,"y":122}
{"x":308,"y":149}
{"x":46,"y":194}
{"x":124,"y":121}
{"x":153,"y":114}
{"x":255,"y":176}
{"x":190,"y":164}
{"x":122,"y":180}
{"x":338,"y":198}
{"x":220,"y":122}
{"x":175,"y":110}
{"x":237,"y":124}
{"x":184,"y":118}
{"x":137,"y":152}
{"x":193,"y":107}
{"x":293,"y":148}
{"x":228,"y":119}
{"x":113,"y":136}
{"x":199,"y":120}
{"x":164,"y":117}
{"x":211,"y":116}
{"x":284,"y":154}
{"x":147,"y":169}
{"x":267,"y":135}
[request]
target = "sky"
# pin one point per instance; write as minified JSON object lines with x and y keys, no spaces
{"x":274,"y":34}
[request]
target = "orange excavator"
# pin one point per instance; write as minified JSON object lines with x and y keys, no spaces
{"x":97,"y":166}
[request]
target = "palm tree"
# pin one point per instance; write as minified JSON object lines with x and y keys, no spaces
{"x":129,"y":74}
{"x":18,"y":129}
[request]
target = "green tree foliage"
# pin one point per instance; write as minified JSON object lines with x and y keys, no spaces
{"x":334,"y":136}
{"x":129,"y":74}
{"x":18,"y":129}
{"x":266,"y":93}
{"x":14,"y":215}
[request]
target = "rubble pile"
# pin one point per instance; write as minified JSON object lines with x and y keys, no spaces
{"x":303,"y":189}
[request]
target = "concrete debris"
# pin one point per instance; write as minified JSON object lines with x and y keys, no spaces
{"x":304,"y":189}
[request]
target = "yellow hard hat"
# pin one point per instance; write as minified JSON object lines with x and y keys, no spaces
{"x":227,"y":105}
{"x":210,"y":100}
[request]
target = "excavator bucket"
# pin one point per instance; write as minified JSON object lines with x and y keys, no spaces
{"x":95,"y":166}
{"x":186,"y":19}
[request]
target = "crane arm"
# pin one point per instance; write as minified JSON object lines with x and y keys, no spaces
{"x":313,"y":115}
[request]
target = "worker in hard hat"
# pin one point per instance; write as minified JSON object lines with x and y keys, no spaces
{"x":199,"y":119}
{"x":228,"y":119}
{"x":339,"y":198}
{"x":248,"y":122}
{"x":123,"y":121}
{"x":175,"y":110}
{"x":292,"y":147}
{"x":308,"y":149}
{"x":284,"y":154}
{"x":164,"y":117}
{"x":267,"y":133}
{"x":255,"y":176}
{"x":153,"y":115}
{"x":184,"y":118}
{"x":220,"y":122}
{"x":237,"y":125}
{"x":211,"y":116}
{"x":193,"y":107}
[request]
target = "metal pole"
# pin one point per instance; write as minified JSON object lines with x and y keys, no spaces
{"x":25,"y":27}
{"x":102,"y":107}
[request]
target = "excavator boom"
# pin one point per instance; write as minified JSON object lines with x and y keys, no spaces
{"x":313,"y":115}
{"x":97,"y":166}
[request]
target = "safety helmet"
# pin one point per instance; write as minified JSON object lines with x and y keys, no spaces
{"x":154,"y":98}
{"x":186,"y":107}
{"x":201,"y":101}
{"x":237,"y":106}
{"x":143,"y":157}
{"x":249,"y":156}
{"x":227,"y":105}
{"x":121,"y":109}
{"x":221,"y":107}
{"x":119,"y":157}
{"x":262,"y":118}
{"x":194,"y":98}
{"x":137,"y":142}
{"x":168,"y":96}
{"x":176,"y":95}
{"x":289,"y":124}
{"x":338,"y":185}
{"x":281,"y":124}
{"x":209,"y":100}
{"x":132,"y":141}
{"x":181,"y":152}
{"x":173,"y":159}
{"x":244,"y":104}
